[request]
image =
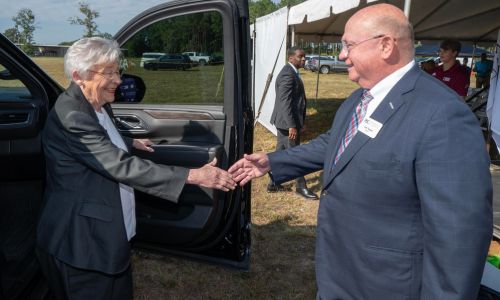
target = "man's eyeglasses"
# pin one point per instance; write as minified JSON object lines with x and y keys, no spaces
{"x":108,"y":75}
{"x":347,"y":47}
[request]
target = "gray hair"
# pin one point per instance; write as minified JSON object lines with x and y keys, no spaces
{"x":88,"y":52}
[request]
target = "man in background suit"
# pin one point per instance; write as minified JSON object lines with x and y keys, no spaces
{"x":405,"y":211}
{"x":289,"y":113}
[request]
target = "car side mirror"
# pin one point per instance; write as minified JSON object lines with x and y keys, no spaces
{"x":6,"y":75}
{"x":131,"y":90}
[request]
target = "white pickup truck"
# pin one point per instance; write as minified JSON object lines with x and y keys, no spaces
{"x":198,"y":57}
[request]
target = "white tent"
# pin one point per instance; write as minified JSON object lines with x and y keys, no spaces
{"x":270,"y":47}
{"x":324,"y":20}
{"x":464,"y":20}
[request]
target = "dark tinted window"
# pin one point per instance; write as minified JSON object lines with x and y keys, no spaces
{"x":190,"y":79}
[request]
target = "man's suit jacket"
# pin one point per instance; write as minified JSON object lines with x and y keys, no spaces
{"x":407,"y":214}
{"x":290,"y":104}
{"x":82,"y":220}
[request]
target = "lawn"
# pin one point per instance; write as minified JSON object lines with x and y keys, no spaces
{"x":194,"y":84}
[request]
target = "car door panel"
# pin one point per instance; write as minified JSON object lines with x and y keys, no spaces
{"x":26,"y":92}
{"x":183,"y":136}
{"x":192,"y":116}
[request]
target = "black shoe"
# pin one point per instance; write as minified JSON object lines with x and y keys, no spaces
{"x":272,"y":188}
{"x":306,"y":193}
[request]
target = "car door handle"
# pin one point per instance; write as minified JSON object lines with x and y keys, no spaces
{"x":129,"y":123}
{"x":11,"y":118}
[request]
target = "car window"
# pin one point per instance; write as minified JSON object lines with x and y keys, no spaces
{"x":11,"y":88}
{"x":180,"y":77}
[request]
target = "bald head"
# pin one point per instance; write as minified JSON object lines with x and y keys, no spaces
{"x":378,"y":40}
{"x":389,"y":20}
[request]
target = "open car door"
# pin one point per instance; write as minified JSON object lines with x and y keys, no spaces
{"x":26,"y":93}
{"x":194,"y":113}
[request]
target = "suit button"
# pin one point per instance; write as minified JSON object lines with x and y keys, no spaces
{"x":324,"y":193}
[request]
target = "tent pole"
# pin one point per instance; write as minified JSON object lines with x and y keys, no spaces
{"x":317,"y":75}
{"x":407,"y":8}
{"x":293,"y":36}
{"x":268,"y":82}
{"x":254,"y":63}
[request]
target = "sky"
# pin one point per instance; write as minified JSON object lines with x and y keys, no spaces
{"x":51,"y":16}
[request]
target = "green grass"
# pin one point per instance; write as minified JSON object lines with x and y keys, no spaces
{"x":198,"y":85}
{"x":195,"y":85}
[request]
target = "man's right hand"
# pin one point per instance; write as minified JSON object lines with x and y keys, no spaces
{"x":292,"y":133}
{"x":250,"y":167}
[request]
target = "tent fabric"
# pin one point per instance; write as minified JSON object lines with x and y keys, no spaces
{"x":493,"y":106}
{"x":314,"y":10}
{"x":270,"y":49}
{"x":432,"y":19}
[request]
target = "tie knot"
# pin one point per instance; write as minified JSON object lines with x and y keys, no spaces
{"x":366,"y":97}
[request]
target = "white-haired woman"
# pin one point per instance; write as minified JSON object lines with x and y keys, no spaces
{"x":88,"y":217}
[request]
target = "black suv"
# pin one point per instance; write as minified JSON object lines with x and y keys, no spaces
{"x":192,"y":117}
{"x":169,"y":61}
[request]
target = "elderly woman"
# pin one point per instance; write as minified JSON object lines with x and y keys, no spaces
{"x":89,"y":213}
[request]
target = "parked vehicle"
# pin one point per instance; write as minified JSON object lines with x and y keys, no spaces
{"x":216,"y":59}
{"x":309,"y":58}
{"x":191,"y":119}
{"x":169,"y":61}
{"x":150,"y":56}
{"x":328,"y":65}
{"x":197,"y":57}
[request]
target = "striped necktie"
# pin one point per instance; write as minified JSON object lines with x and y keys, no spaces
{"x":356,"y":118}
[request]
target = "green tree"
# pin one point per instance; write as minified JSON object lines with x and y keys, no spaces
{"x":105,"y":35}
{"x":259,"y":8}
{"x":12,"y":34}
{"x":88,"y":19}
{"x":200,"y":32}
{"x":290,"y":3}
{"x":24,"y":24}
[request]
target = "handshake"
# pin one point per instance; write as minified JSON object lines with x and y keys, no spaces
{"x":244,"y":170}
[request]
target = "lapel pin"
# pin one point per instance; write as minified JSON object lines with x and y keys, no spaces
{"x":392,"y":106}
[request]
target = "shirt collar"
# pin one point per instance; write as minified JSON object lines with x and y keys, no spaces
{"x":382,"y":88}
{"x":294,"y":68}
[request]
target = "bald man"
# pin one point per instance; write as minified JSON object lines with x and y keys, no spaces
{"x":405,"y":211}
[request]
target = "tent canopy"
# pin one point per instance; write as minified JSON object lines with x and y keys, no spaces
{"x":477,"y":21}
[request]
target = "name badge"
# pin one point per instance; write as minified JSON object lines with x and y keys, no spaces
{"x":370,"y":127}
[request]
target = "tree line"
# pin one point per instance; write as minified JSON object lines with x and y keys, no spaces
{"x":261,"y":8}
{"x":185,"y":33}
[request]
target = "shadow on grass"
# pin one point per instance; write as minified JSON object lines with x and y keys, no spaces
{"x":320,"y":116}
{"x":282,"y":267}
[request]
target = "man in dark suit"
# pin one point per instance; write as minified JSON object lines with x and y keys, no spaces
{"x":405,"y":211}
{"x":289,"y":113}
{"x":88,"y":217}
